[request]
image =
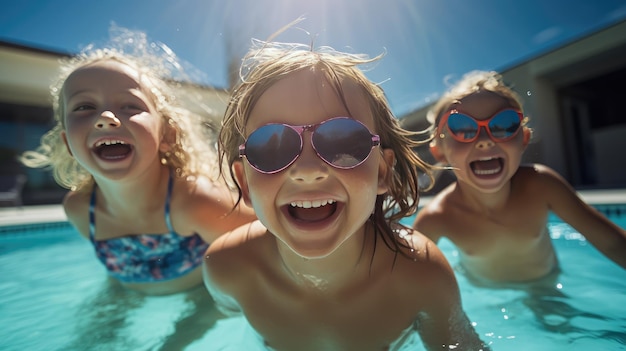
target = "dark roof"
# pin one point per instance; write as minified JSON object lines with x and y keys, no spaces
{"x":33,"y":48}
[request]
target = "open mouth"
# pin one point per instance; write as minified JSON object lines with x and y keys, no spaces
{"x":112,"y":150}
{"x":312,"y":211}
{"x":487,"y":166}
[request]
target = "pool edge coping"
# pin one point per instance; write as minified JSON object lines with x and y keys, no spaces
{"x":12,"y":216}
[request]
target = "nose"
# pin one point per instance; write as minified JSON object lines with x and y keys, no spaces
{"x":309,"y":167}
{"x":484,"y":141}
{"x":107,"y":119}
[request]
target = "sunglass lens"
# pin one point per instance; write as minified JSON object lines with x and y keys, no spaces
{"x":462,"y":127}
{"x":505,"y":124}
{"x":273,"y":147}
{"x":343,"y":142}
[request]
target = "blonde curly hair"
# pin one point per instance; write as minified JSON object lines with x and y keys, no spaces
{"x":192,"y":152}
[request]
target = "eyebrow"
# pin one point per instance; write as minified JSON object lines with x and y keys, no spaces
{"x":134,"y":91}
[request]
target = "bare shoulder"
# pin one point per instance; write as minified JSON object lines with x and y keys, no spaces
{"x":236,"y":247}
{"x":423,"y":254}
{"x":539,"y":174}
{"x":76,"y":207}
{"x":431,"y":219}
{"x":231,"y":263}
{"x":201,"y":190}
{"x":423,"y":274}
{"x":207,"y":207}
{"x":538,"y":179}
{"x":240,"y":238}
{"x":234,"y":259}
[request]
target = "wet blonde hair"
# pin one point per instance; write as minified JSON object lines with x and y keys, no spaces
{"x":472,"y":82}
{"x":191,"y":143}
{"x":268,"y":62}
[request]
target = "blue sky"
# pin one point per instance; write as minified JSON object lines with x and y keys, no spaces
{"x":427,"y":42}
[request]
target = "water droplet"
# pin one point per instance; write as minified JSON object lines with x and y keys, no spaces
{"x":528,"y":93}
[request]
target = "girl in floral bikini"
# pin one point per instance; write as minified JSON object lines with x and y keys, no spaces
{"x":141,"y":169}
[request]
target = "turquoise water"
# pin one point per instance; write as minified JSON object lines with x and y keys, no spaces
{"x":586,"y":309}
{"x":54,"y":295}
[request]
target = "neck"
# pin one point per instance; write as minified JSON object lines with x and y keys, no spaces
{"x":485,"y":200}
{"x":328,"y":273}
{"x":137,"y":195}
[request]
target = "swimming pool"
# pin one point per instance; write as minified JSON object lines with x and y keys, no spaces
{"x":54,"y":295}
{"x":586,"y":310}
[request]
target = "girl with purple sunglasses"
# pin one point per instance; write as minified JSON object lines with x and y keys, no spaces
{"x":316,"y":151}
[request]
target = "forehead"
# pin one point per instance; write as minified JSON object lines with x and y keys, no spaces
{"x":482,"y":104}
{"x":101,"y":74}
{"x":307,"y":96}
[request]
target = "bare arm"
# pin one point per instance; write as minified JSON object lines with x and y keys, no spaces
{"x":76,"y":207}
{"x":605,"y":235}
{"x":461,"y":334}
{"x":428,"y":222}
{"x":211,"y":210}
{"x":224,"y":302}
{"x":444,"y":325}
{"x":226,"y":268}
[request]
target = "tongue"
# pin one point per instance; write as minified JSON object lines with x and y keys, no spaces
{"x":114,"y":151}
{"x":489,"y":165}
{"x":312,"y":214}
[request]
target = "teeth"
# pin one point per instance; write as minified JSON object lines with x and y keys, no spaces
{"x":109,"y":142}
{"x":312,"y":204}
{"x":488,"y":171}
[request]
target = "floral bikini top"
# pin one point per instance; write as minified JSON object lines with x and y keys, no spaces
{"x":146,"y":258}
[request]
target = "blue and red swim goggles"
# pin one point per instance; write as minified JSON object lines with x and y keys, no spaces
{"x":502,"y":126}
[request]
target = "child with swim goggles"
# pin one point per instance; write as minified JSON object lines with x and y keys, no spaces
{"x":144,"y":181}
{"x":496,"y":212}
{"x":316,"y":151}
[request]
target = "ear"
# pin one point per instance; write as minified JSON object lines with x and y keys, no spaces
{"x":434,"y":150}
{"x":169,"y":139}
{"x":385,"y":170}
{"x":67,"y":146}
{"x":240,"y":178}
{"x":527,"y":135}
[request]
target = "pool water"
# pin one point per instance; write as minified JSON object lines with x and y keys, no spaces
{"x":54,"y":295}
{"x":586,"y":310}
